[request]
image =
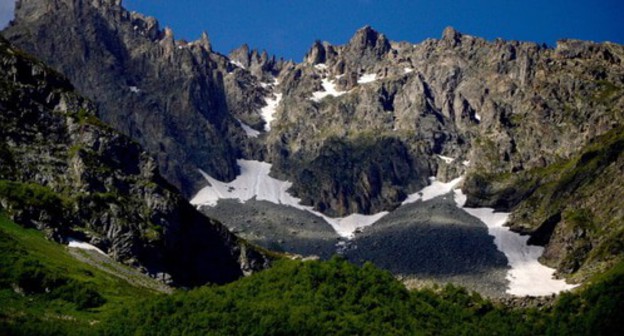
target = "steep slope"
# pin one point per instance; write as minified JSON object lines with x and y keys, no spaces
{"x":498,"y":107}
{"x":573,"y":206}
{"x":66,"y":173}
{"x":167,"y":94}
{"x":46,"y":291}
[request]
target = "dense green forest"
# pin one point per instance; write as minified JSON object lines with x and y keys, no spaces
{"x":45,"y":291}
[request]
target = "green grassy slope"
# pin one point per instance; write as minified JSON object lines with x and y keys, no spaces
{"x":44,"y":290}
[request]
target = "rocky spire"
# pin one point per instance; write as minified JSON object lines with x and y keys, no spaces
{"x":317,"y":54}
{"x":204,"y":41}
{"x":451,"y":36}
{"x":367,"y":38}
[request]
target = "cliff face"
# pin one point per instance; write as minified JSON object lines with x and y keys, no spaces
{"x":70,"y":175}
{"x":496,"y":107}
{"x":168,"y":95}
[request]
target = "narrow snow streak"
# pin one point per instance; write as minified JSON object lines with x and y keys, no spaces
{"x":367,"y":78}
{"x":268,"y":112}
{"x":252,"y":133}
{"x":435,"y":189}
{"x":527,"y":276}
{"x":329,"y":89}
{"x":238,"y":64}
{"x":84,"y":246}
{"x":446,"y":158}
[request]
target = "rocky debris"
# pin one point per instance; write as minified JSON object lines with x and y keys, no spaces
{"x":434,"y":241}
{"x":68,"y":174}
{"x":525,"y":302}
{"x":276,"y":227}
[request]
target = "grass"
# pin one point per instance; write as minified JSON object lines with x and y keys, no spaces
{"x":56,"y":309}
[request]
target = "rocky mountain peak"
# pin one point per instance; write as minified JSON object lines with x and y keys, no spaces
{"x":366,"y":48}
{"x":451,"y":34}
{"x":258,"y":63}
{"x":204,"y":41}
{"x":317,"y":54}
{"x":114,"y":59}
{"x":367,"y":38}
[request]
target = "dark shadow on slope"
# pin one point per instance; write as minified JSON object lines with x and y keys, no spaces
{"x":432,"y":239}
{"x":277,"y":227}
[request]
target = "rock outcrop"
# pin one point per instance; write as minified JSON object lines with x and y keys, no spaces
{"x":166,"y":94}
{"x":68,"y":174}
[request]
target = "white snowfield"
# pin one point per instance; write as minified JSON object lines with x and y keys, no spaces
{"x":84,"y":246}
{"x":329,"y":89}
{"x":367,"y":78}
{"x":254,"y":182}
{"x":527,"y":276}
{"x":268,"y":112}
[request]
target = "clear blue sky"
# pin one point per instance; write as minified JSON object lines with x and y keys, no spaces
{"x":288,"y":27}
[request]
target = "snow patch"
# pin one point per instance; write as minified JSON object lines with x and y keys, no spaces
{"x":268,"y":112}
{"x":238,"y":64}
{"x":84,"y":246}
{"x":321,"y":66}
{"x":408,"y":70}
{"x":252,"y":133}
{"x":274,"y":82}
{"x":527,"y":276}
{"x":134,"y":89}
{"x":466,"y":163}
{"x":446,"y":158}
{"x":254,"y":182}
{"x":329,"y":90}
{"x":367,"y":78}
{"x":477,"y":116}
{"x":435,"y":189}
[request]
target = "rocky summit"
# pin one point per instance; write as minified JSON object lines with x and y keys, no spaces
{"x":356,"y":128}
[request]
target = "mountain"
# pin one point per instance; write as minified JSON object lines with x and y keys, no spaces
{"x":66,"y":173}
{"x":168,"y":95}
{"x":358,"y":127}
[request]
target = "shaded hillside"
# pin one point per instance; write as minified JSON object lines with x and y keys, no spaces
{"x":66,"y":173}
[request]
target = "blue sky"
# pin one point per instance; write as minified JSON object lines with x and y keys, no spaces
{"x":288,"y":27}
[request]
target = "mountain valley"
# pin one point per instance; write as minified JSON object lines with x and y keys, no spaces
{"x":366,"y":168}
